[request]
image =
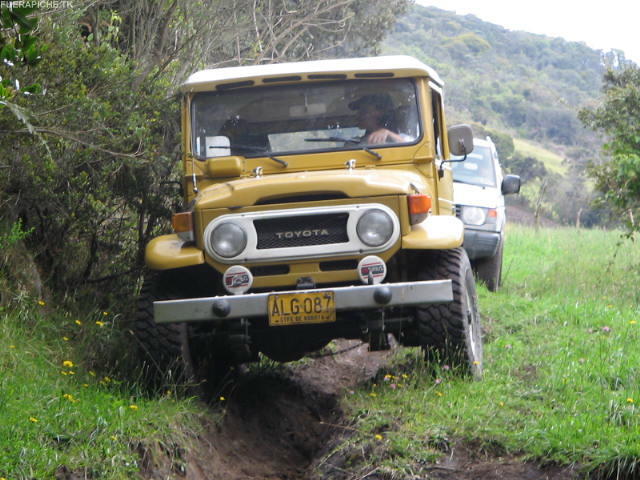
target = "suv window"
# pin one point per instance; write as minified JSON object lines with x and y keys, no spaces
{"x":477,"y":169}
{"x":304,"y":117}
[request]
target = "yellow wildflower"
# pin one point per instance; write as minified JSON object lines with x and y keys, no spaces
{"x":630,"y":400}
{"x":66,"y":339}
{"x":133,"y":407}
{"x":222,"y":399}
{"x":632,"y":322}
{"x":12,"y":346}
{"x":92,"y":373}
{"x":33,"y":420}
{"x":439,"y":394}
{"x":378,"y":437}
{"x":67,"y":363}
{"x":405,"y":376}
{"x":78,"y":322}
{"x":501,"y":404}
{"x":68,"y":396}
{"x":476,"y":363}
{"x":105,"y":313}
{"x":100,"y":324}
{"x":42,"y":303}
{"x":373,"y":394}
{"x":85,"y":385}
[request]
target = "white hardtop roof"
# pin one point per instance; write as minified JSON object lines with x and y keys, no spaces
{"x":254,"y":75}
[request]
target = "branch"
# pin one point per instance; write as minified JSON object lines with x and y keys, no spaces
{"x":68,"y":136}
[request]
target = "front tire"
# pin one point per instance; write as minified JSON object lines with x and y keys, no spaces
{"x":164,"y":347}
{"x":451,"y":332}
{"x":174,"y":360}
{"x":489,"y":270}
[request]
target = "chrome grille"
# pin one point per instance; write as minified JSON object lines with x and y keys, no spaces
{"x":301,"y":231}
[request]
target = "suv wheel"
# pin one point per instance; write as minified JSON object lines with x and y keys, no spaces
{"x":489,"y":270}
{"x":167,"y":347}
{"x":451,"y":332}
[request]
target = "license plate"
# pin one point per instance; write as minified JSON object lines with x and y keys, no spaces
{"x":301,"y":308}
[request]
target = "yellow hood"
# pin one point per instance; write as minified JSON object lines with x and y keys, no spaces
{"x":349,"y":183}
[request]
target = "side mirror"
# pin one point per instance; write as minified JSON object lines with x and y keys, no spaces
{"x":460,"y":139}
{"x":510,"y":184}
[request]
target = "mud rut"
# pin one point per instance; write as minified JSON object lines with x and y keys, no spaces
{"x":279,"y":424}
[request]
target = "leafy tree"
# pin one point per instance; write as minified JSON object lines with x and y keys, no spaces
{"x":85,"y":171}
{"x":618,"y":117}
{"x":529,"y":168}
{"x":18,"y":46}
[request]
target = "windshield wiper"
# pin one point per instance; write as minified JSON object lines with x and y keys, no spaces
{"x":345,"y":140}
{"x":251,"y":148}
{"x":333,"y":139}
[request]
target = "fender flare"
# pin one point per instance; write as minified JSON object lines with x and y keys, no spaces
{"x":437,"y":232}
{"x":168,"y":252}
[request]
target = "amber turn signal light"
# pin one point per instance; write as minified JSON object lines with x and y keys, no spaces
{"x":182,"y":224}
{"x":419,"y":206}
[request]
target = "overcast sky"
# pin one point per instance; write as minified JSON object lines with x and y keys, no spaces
{"x":601,"y":25}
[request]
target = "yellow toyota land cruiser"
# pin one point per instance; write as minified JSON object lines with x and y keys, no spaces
{"x":318,"y":206}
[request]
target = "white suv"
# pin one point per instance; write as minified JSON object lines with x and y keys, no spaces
{"x":478,"y":191}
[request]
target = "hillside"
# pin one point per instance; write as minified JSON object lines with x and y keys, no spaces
{"x":523,"y":89}
{"x":531,"y":85}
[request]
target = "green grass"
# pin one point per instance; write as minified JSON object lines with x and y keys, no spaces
{"x":562,"y":366}
{"x":57,"y":412}
{"x":552,"y":161}
{"x":561,"y":384}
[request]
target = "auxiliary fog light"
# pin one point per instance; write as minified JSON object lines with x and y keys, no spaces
{"x":372,"y":270}
{"x":237,"y":279}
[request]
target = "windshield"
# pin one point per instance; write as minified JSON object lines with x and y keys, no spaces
{"x":305,"y":117}
{"x":477,"y":169}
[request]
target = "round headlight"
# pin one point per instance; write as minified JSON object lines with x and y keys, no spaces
{"x":473,"y":215}
{"x":228,"y":239}
{"x":375,"y":228}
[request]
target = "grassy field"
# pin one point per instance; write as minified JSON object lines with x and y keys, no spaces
{"x":561,"y":383}
{"x":62,"y":413}
{"x":562,"y":367}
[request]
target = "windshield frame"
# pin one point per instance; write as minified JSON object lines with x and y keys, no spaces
{"x":349,"y":144}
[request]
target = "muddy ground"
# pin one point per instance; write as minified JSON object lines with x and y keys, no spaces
{"x":281,"y":423}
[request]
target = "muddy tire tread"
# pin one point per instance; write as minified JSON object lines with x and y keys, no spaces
{"x":441,"y":329}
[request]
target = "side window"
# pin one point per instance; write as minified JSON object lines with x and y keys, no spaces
{"x":436,"y":108}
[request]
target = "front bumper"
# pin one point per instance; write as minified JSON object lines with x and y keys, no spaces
{"x":480,"y":244}
{"x":346,"y":298}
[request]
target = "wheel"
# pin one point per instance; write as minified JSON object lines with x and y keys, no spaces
{"x":173,"y":359}
{"x":165,"y":347}
{"x":451,"y":332}
{"x":489,"y":270}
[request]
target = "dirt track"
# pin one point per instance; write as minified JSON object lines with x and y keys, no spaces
{"x":281,"y":422}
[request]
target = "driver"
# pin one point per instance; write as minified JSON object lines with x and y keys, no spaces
{"x":376,"y":115}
